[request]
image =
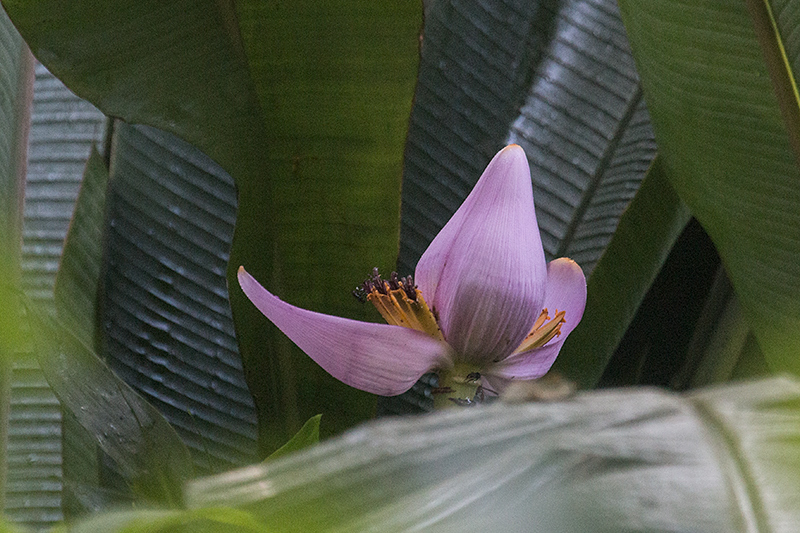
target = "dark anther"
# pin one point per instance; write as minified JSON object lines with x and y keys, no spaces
{"x":472,"y":377}
{"x":360,"y":294}
{"x":409,"y":287}
{"x":375,"y":283}
{"x":394,"y":283}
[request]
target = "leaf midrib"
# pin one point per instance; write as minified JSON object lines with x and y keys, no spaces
{"x":743,"y":486}
{"x":600,"y":171}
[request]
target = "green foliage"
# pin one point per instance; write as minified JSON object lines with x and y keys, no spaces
{"x":335,"y":82}
{"x":329,"y":131}
{"x":726,"y":150}
{"x":307,"y":436}
{"x":307,"y":107}
{"x":644,"y":237}
{"x":145,"y":449}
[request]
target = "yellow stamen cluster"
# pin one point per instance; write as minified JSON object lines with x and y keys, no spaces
{"x":400,"y":303}
{"x":543,"y":331}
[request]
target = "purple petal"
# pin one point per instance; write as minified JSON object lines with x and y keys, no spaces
{"x":566,"y":291}
{"x":484,"y":273}
{"x":377,"y":358}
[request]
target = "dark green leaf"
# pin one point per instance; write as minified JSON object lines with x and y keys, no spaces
{"x":167,"y":327}
{"x":145,"y":449}
{"x":723,"y":460}
{"x":76,"y":299}
{"x":335,"y":81}
{"x":646,"y":233}
{"x":307,"y":436}
{"x":726,"y":151}
{"x":177,"y":66}
{"x":76,"y":286}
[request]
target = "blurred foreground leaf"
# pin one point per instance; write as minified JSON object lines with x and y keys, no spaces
{"x":210,"y":520}
{"x":721,"y":460}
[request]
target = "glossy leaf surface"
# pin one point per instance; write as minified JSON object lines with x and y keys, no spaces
{"x":167,"y":326}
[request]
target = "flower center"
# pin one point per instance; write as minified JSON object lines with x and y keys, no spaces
{"x":543,"y":331}
{"x":399,"y":302}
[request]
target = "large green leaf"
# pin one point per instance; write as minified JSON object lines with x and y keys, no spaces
{"x":335,"y":81}
{"x":178,"y":66}
{"x":76,"y":299}
{"x":309,"y":108}
{"x":721,"y":460}
{"x":168,"y":327}
{"x":726,"y":150}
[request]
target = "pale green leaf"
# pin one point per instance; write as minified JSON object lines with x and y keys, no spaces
{"x":723,"y":460}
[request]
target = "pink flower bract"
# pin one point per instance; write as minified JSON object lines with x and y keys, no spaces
{"x":484,"y":277}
